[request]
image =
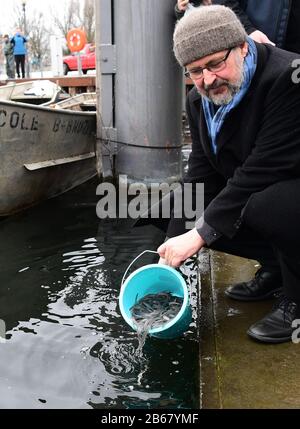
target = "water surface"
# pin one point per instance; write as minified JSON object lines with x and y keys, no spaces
{"x":67,"y":345}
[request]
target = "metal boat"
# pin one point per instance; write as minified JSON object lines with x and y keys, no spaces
{"x":43,"y":153}
{"x":84,"y":102}
{"x":38,"y":92}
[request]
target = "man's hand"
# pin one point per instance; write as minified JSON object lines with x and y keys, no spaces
{"x":182,"y":5}
{"x":177,"y":249}
{"x":260,"y":37}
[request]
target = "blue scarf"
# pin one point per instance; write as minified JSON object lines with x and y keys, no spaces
{"x":215,"y":119}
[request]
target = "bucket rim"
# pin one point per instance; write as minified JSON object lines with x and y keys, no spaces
{"x":173,"y":321}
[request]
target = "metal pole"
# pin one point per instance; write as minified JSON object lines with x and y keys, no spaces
{"x":106,"y":69}
{"x":79,"y":64}
{"x":148,"y":92}
{"x":98,"y":87}
{"x":25,"y":34}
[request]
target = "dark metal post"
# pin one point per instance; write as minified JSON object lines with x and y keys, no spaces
{"x":25,"y":34}
{"x":79,"y":64}
{"x":106,"y":69}
{"x":98,"y":88}
{"x":148,"y":92}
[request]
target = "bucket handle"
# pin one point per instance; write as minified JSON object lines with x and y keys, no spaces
{"x":135,"y":259}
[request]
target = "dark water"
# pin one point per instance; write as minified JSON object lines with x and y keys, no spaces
{"x":67,"y":345}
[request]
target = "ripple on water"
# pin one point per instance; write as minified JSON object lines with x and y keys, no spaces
{"x":67,"y":344}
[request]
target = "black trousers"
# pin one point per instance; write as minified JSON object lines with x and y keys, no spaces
{"x":20,"y":61}
{"x":271,"y":233}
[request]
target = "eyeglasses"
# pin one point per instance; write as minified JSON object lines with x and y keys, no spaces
{"x":213,"y":67}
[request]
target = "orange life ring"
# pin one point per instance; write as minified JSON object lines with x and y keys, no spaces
{"x":76,"y":39}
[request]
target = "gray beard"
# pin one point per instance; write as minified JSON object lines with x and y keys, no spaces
{"x":232,"y":88}
{"x":222,"y":99}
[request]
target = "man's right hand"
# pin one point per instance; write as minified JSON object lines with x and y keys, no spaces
{"x":182,"y":5}
{"x":176,"y":250}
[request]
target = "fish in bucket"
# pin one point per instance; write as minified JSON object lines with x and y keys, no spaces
{"x":156,"y":290}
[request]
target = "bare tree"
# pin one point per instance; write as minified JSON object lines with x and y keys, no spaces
{"x":77,"y":14}
{"x":70,"y":19}
{"x":19,"y":18}
{"x":39,"y":40}
{"x":36,"y":31}
{"x":88,"y":22}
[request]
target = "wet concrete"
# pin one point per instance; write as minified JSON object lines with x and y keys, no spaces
{"x":235,"y":371}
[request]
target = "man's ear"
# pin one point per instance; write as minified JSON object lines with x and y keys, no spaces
{"x":244,"y":49}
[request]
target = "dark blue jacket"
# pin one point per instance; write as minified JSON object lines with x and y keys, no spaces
{"x":269,"y":16}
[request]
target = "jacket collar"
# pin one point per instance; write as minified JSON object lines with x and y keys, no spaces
{"x":228,"y":129}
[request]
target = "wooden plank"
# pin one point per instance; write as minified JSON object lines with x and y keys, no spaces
{"x":63,"y":81}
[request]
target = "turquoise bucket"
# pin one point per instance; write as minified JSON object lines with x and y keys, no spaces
{"x":152,"y":279}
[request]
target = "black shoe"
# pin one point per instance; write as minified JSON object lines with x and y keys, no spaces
{"x":276,"y":327}
{"x":263,"y":286}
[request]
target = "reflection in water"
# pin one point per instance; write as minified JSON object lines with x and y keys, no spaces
{"x":67,"y":344}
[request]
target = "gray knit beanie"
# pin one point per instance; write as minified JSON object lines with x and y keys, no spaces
{"x":206,"y":30}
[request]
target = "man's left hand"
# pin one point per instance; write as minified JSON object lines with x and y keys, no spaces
{"x":178,"y":249}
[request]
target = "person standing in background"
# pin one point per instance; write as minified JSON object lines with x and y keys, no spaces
{"x":270,"y":21}
{"x":19,"y":43}
{"x":182,"y":5}
{"x":9,"y":57}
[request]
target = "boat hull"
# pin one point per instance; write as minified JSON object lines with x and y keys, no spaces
{"x":43,"y":153}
